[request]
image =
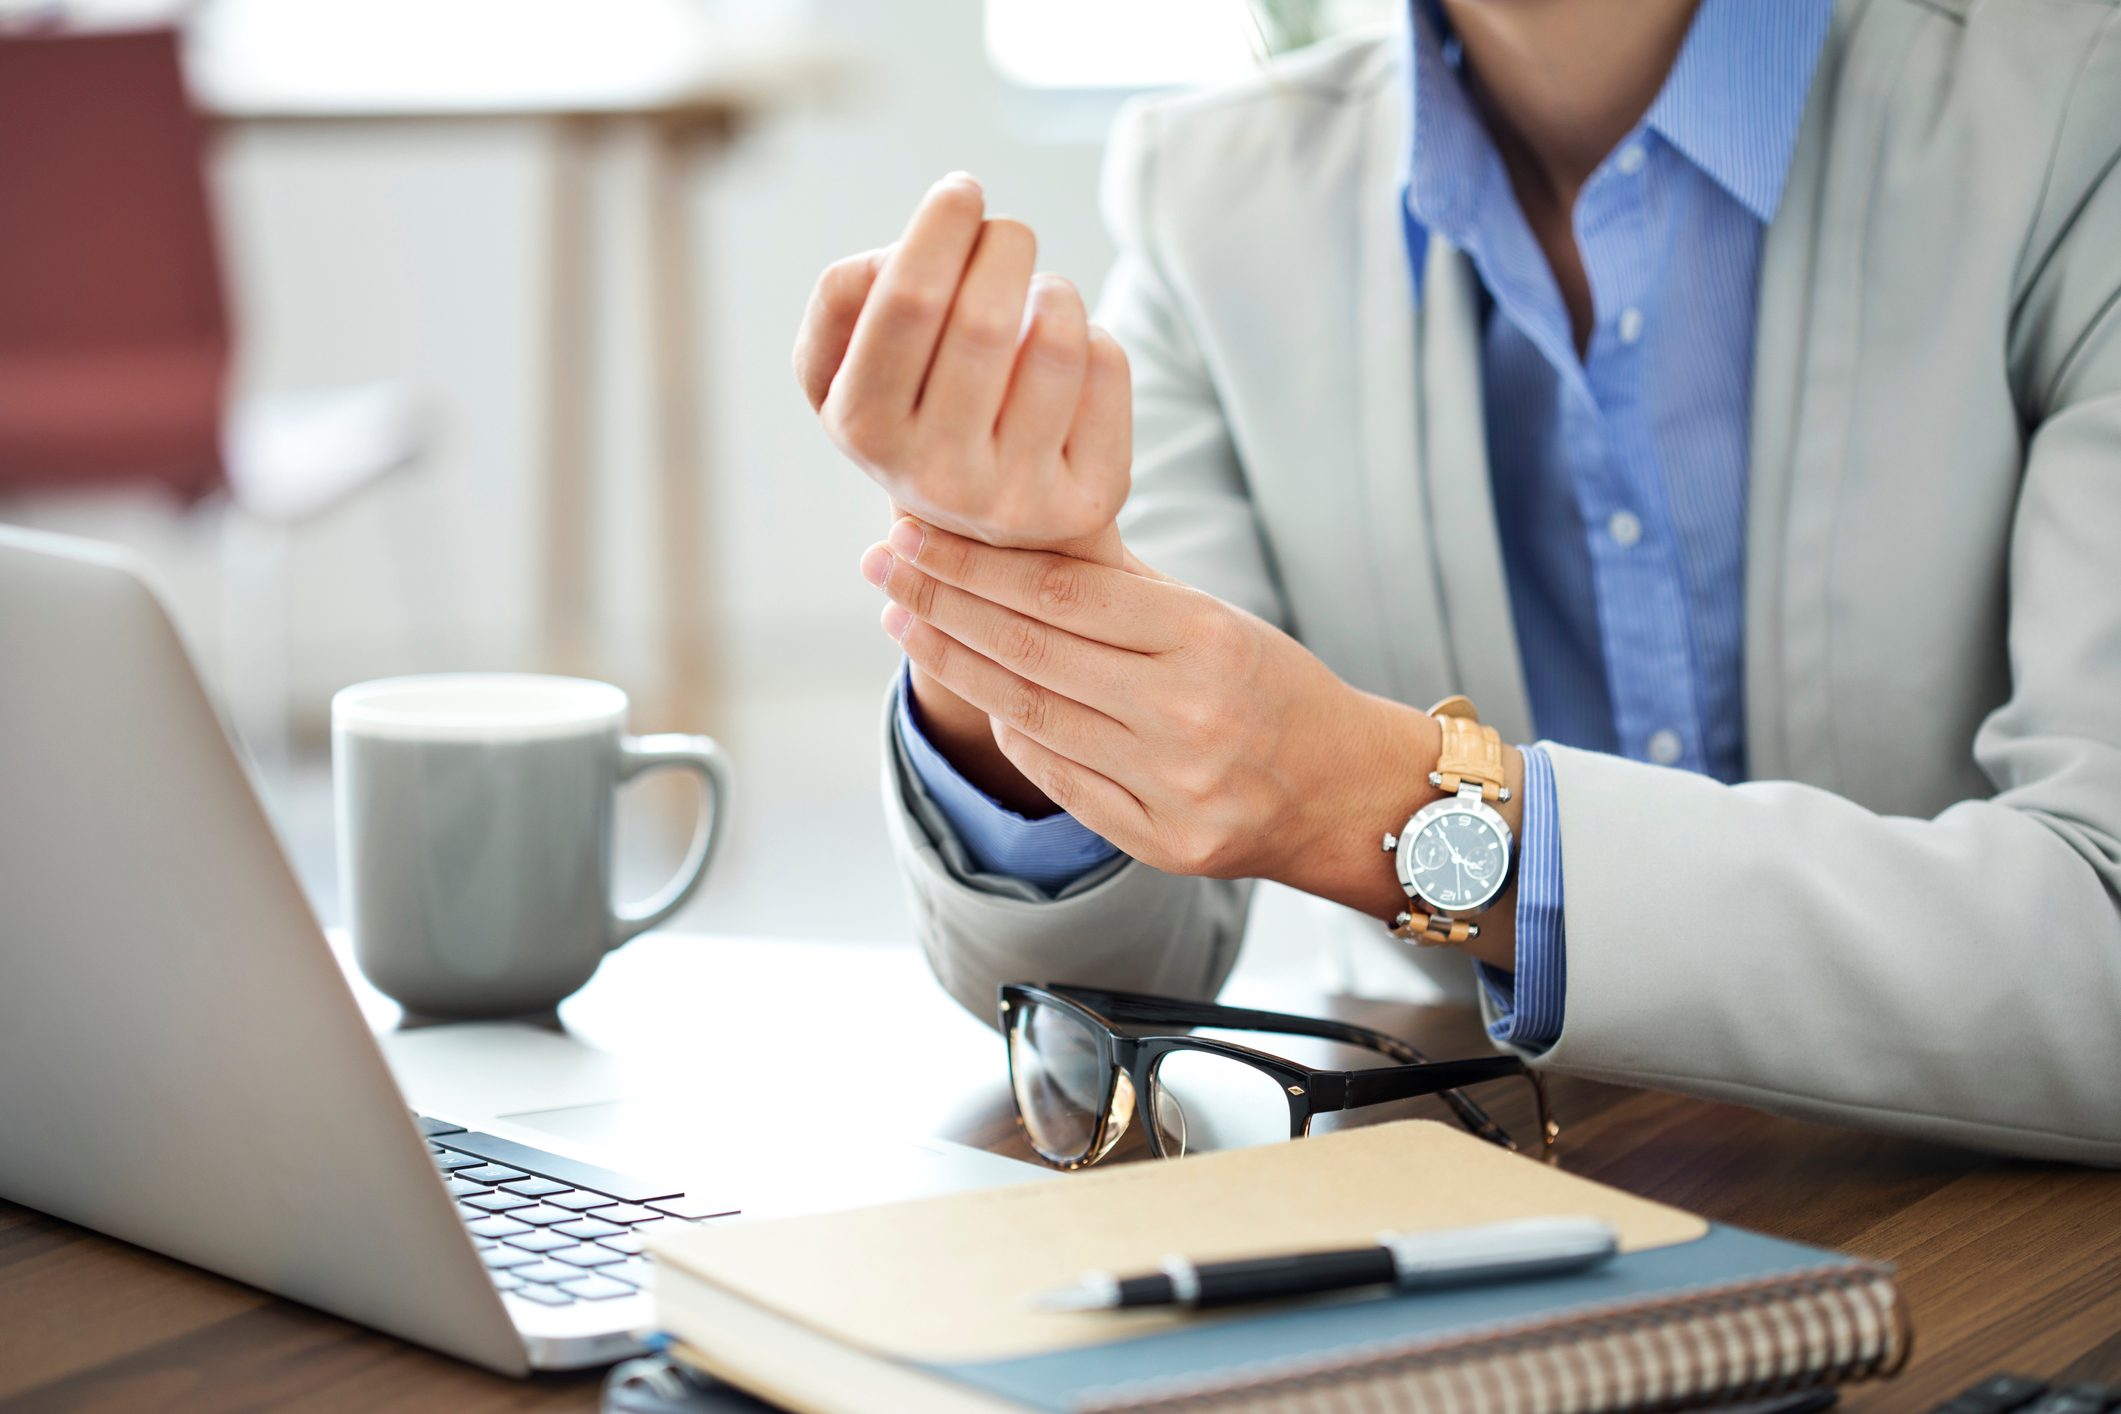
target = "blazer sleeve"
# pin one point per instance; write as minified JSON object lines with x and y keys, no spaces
{"x":1957,"y":978}
{"x":1124,"y":925}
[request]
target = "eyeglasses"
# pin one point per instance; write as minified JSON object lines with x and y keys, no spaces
{"x":1079,"y":1081}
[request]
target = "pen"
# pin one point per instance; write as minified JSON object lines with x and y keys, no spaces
{"x":1497,"y":1252}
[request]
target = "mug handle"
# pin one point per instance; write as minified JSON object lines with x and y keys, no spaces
{"x":705,"y":758}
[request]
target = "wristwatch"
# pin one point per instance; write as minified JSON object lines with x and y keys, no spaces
{"x":1453,"y":854}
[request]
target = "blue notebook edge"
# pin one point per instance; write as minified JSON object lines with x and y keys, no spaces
{"x":1058,"y":1380}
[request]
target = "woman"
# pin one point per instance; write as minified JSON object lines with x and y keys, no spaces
{"x":1726,"y":398}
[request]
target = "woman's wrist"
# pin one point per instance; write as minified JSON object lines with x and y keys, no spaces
{"x":964,"y":736}
{"x":963,"y":733}
{"x":1373,"y":772}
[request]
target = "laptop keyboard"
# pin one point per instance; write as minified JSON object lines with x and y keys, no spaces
{"x":551,"y":1229}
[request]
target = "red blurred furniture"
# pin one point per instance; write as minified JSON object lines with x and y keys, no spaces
{"x":115,"y":339}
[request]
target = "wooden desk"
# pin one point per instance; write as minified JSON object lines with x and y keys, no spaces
{"x":2006,"y":1265}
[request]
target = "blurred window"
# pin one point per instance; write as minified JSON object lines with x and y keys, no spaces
{"x":1127,"y":44}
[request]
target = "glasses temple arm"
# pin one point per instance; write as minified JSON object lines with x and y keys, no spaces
{"x":1147,"y":1010}
{"x":1388,"y":1083}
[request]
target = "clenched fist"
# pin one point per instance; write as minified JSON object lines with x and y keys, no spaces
{"x":974,"y":391}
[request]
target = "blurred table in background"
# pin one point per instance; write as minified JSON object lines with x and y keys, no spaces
{"x":2006,"y":1266}
{"x":689,"y":76}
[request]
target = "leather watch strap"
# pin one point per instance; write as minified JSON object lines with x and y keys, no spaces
{"x":1434,"y":928}
{"x":1471,"y":752}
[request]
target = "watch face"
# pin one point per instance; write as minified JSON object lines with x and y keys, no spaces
{"x":1456,"y":860}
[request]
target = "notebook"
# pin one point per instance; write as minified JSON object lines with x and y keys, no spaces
{"x":926,"y":1305}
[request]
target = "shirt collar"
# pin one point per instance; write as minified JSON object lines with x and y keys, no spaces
{"x":1735,"y":97}
{"x":1731,"y":106}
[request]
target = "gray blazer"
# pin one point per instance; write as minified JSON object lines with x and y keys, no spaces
{"x":1909,"y":920}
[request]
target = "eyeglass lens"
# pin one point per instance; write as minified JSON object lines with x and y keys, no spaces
{"x":1062,"y":1084}
{"x":1205,"y":1101}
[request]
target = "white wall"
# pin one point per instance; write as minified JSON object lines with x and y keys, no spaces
{"x":417,"y":252}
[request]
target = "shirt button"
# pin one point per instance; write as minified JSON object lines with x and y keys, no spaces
{"x":1630,"y":324}
{"x":1624,"y":528}
{"x":1631,"y":159}
{"x":1665,"y":746}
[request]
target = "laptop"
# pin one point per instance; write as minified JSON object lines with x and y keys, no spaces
{"x":184,"y":1065}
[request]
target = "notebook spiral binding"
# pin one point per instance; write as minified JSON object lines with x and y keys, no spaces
{"x":1748,"y":1340}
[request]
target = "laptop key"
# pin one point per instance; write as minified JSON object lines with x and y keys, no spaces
{"x":634,"y":1271}
{"x":547,"y":1272}
{"x":630,"y":1243}
{"x":499,"y":1202}
{"x":596,"y":1288}
{"x":627,"y":1187}
{"x":541,"y":1215}
{"x":493,"y":1173}
{"x":435,"y":1128}
{"x":588,"y":1229}
{"x":693,"y":1209}
{"x":506,"y":1281}
{"x":501,"y":1258}
{"x":540,"y":1239}
{"x":579,"y":1199}
{"x":497,"y":1226}
{"x":450,"y":1161}
{"x":537,"y":1187}
{"x":465,"y":1188}
{"x":588,"y":1254}
{"x":623,"y":1213}
{"x":545,"y":1295}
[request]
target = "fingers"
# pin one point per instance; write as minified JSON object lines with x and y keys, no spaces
{"x":1091,"y":673}
{"x":1047,"y":382}
{"x":1096,"y":800}
{"x":1067,"y":726}
{"x":828,"y":323}
{"x":1100,"y":447}
{"x":971,"y":368}
{"x":895,"y":337}
{"x":1097,"y":602}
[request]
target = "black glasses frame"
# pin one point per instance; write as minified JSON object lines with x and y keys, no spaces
{"x":1310,"y":1093}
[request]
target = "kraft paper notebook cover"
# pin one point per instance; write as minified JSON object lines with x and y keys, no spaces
{"x":925,"y":1305}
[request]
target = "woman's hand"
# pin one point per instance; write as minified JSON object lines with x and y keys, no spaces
{"x":973,"y":391}
{"x":1195,"y":737}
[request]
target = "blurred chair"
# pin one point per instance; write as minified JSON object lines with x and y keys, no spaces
{"x":115,"y":339}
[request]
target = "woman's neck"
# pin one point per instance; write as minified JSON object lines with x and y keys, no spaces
{"x":1560,"y":82}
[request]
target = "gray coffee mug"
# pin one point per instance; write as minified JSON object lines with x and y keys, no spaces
{"x":475,"y":834}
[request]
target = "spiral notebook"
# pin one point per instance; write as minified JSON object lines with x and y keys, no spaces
{"x":925,"y":1305}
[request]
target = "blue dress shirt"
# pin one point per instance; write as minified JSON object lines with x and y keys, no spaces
{"x":1619,"y":477}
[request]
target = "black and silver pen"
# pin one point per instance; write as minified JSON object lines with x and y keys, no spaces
{"x":1506,"y":1251}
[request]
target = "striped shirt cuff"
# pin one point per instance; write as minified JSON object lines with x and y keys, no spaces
{"x":1051,"y":852}
{"x":1527,"y":1003}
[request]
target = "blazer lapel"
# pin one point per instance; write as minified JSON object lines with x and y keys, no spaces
{"x":1431,"y":528}
{"x":1396,"y":527}
{"x":1479,"y":634}
{"x":1804,"y":349}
